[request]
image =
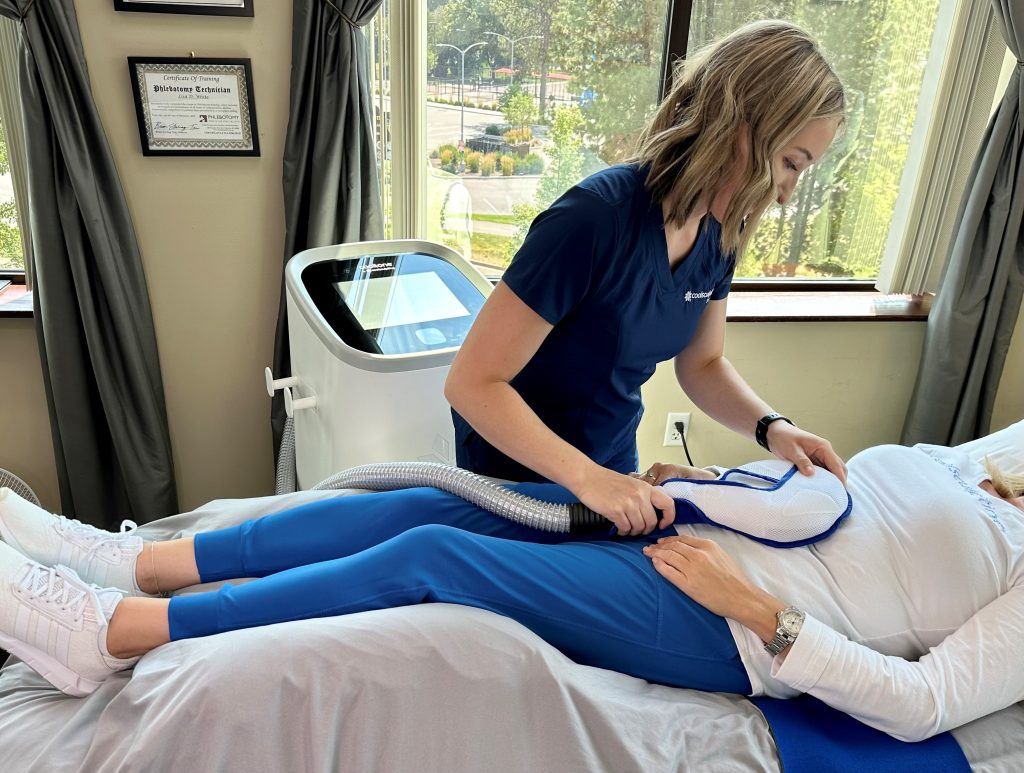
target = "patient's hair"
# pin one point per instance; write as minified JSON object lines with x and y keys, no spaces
{"x":1008,"y":484}
{"x":770,"y":74}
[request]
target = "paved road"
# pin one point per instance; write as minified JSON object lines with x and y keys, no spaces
{"x":491,"y":195}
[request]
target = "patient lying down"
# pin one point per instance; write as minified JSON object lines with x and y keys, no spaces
{"x":910,"y":616}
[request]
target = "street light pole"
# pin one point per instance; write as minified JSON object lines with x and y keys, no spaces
{"x":513,"y":41}
{"x":462,"y":78}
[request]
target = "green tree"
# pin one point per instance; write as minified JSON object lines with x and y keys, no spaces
{"x":519,"y":110}
{"x":612,"y":47}
{"x":529,"y":17}
{"x":564,"y":169}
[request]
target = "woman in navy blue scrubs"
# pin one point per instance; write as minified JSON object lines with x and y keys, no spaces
{"x":631,"y":267}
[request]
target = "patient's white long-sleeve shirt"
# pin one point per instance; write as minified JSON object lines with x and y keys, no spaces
{"x":915,"y":606}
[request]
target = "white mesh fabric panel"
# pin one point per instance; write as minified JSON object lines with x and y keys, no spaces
{"x":800,"y":509}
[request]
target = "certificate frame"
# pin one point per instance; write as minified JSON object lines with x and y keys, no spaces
{"x":173,"y":6}
{"x":249,"y":142}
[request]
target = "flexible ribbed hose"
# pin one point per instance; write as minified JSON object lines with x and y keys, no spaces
{"x":498,"y":499}
{"x":286,"y":482}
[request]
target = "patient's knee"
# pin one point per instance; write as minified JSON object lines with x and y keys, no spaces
{"x":431,"y":542}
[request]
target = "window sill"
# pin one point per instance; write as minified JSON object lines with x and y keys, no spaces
{"x":15,"y":301}
{"x":825,"y":306}
{"x":851,"y":302}
{"x":744,"y":306}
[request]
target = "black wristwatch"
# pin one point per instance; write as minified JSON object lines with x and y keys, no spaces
{"x":761,"y":432}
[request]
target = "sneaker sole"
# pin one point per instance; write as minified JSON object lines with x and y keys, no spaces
{"x":53,"y":671}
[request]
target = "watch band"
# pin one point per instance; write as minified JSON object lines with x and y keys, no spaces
{"x":761,"y":431}
{"x":779,"y":643}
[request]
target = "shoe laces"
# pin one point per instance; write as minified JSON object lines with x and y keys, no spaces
{"x":89,"y":532}
{"x":56,"y":585}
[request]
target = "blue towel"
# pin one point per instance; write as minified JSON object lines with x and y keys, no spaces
{"x":813,"y":737}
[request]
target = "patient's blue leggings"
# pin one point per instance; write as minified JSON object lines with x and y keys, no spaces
{"x":596,"y":598}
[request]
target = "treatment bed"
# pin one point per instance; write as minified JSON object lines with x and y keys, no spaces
{"x":434,"y":687}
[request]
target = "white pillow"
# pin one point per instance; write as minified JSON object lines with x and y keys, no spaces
{"x":1005,"y":448}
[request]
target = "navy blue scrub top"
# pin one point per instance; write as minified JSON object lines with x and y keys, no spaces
{"x":595,"y":265}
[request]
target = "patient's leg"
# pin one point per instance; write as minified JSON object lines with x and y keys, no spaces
{"x":600,"y":602}
{"x":320,"y":531}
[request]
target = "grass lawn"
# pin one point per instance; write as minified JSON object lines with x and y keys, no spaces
{"x":494,"y":218}
{"x":489,"y":248}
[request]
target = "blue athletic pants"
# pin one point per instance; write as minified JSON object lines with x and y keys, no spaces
{"x":596,"y":598}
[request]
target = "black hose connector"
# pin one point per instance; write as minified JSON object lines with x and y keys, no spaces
{"x":583,"y":520}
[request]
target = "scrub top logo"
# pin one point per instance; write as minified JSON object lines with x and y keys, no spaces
{"x":690,"y":295}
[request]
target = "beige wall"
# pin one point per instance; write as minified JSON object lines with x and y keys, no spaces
{"x":25,"y":445}
{"x":211,"y":232}
{"x":847,"y":381}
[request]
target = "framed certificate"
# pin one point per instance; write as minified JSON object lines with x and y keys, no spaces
{"x":206,"y":7}
{"x":194,"y":107}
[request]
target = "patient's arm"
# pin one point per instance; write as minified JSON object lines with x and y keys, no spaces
{"x":976,"y":670}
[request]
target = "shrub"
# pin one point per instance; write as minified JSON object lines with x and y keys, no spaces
{"x":473,"y":160}
{"x":487,"y":165}
{"x":516,"y":136}
{"x":507,"y":165}
{"x":532,"y":163}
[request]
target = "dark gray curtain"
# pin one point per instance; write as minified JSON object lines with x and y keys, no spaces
{"x":976,"y":308}
{"x":92,"y":312}
{"x":331,"y":190}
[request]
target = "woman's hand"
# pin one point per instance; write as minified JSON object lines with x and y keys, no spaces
{"x":804,"y":449}
{"x":627,"y":502}
{"x":659,"y":473}
{"x":701,"y":570}
{"x":709,"y":576}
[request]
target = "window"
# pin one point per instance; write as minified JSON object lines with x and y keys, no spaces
{"x":12,"y":256}
{"x":524,"y":98}
{"x":12,"y":146}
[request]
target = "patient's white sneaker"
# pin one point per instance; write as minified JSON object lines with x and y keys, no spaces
{"x":57,"y":623}
{"x":97,"y":556}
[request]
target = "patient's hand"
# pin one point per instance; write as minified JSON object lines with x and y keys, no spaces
{"x":702,"y":570}
{"x":660,"y":472}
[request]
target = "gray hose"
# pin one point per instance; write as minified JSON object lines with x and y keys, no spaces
{"x":285,"y":482}
{"x":480,"y":491}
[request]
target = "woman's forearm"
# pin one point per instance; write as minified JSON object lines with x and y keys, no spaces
{"x":720,"y":392}
{"x":502,"y":418}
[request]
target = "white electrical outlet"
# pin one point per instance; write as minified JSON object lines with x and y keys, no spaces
{"x":671,"y":433}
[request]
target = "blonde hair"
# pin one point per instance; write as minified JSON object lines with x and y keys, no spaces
{"x":771,"y":75}
{"x":1007,"y":484}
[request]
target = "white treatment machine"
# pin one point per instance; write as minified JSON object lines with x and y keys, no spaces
{"x":373,"y":328}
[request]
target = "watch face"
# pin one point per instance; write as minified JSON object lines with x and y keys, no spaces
{"x":792,"y":620}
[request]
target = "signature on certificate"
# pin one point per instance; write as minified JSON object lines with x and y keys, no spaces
{"x":174,"y":127}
